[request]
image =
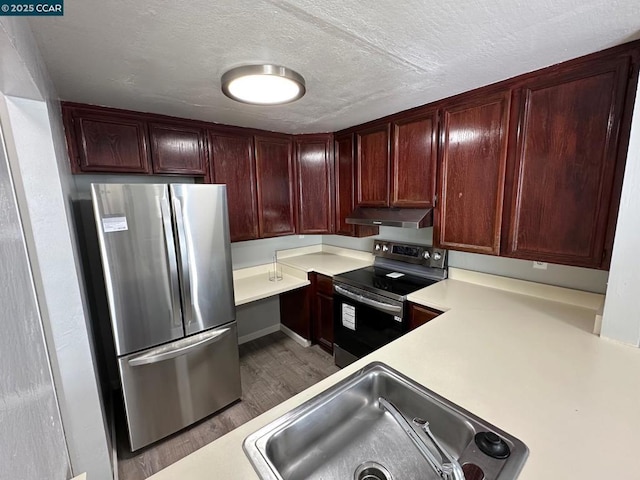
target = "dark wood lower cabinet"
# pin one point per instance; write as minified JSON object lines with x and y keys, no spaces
{"x":322,"y":315}
{"x":419,"y":315}
{"x":308,"y":311}
{"x":295,"y":311}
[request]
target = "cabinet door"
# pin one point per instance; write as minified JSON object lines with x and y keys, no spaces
{"x":419,"y":315}
{"x":474,"y":152}
{"x":178,"y":149}
{"x":413,"y":165}
{"x":274,"y":170}
{"x":314,"y":185}
{"x":344,"y":191}
{"x":372,"y":166}
{"x":324,"y":321}
{"x":322,"y":315}
{"x":232,"y":163}
{"x":564,"y":164}
{"x":110,"y":142}
{"x":295,"y":311}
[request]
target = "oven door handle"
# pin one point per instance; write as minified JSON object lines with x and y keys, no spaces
{"x":384,"y":307}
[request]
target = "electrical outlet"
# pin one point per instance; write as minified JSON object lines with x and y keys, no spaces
{"x":300,"y":237}
{"x":540,"y":265}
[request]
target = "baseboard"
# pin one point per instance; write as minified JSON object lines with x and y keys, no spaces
{"x":291,"y":334}
{"x":258,"y":334}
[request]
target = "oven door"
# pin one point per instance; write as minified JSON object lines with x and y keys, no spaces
{"x":363,"y":322}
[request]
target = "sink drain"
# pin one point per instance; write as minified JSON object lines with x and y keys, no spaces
{"x":372,"y":471}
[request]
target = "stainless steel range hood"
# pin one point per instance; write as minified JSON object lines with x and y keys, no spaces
{"x":392,"y":217}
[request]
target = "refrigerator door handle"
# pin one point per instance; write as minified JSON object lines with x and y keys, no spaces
{"x":171,"y":260}
{"x":154,"y":357}
{"x":183,"y":249}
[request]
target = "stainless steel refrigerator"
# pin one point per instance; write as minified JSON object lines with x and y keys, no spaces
{"x":167,"y":271}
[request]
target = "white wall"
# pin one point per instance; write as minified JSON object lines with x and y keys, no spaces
{"x":258,"y":318}
{"x":32,"y":442}
{"x":621,"y":319}
{"x":259,"y":252}
{"x":44,"y":185}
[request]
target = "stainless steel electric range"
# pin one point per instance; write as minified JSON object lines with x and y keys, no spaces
{"x":370,"y":304}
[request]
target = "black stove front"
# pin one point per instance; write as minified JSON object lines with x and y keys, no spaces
{"x":384,"y":281}
{"x":370,"y":303}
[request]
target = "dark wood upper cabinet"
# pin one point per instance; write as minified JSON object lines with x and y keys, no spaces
{"x":344,"y":188}
{"x":343,"y":149}
{"x":473,"y":160}
{"x":564,"y":163}
{"x":414,"y":159}
{"x":178,"y":149}
{"x":233,"y":163}
{"x":372,"y":166}
{"x":275,"y":181}
{"x":314,"y":183}
{"x":103,"y":142}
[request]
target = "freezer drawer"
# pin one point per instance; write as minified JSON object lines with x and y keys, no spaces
{"x":169,"y":387}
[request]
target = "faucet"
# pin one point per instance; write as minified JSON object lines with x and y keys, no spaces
{"x":448,"y":470}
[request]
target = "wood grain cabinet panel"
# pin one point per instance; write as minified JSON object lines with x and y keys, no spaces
{"x":296,"y":311}
{"x":474,"y":153}
{"x":275,"y":180}
{"x":413,"y":166}
{"x":233,"y":163}
{"x":322,"y":314}
{"x":419,"y":315}
{"x":178,"y":149}
{"x":372,"y":166}
{"x":564,"y":164}
{"x":108,"y":142}
{"x":344,"y":188}
{"x":314,"y":183}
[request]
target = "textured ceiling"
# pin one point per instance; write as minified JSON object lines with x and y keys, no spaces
{"x":361,"y":60}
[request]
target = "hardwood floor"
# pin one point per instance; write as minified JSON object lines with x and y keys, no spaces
{"x":273,"y":369}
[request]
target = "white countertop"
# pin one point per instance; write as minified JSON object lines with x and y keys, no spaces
{"x":325,"y":259}
{"x":251,"y":284}
{"x":529,"y":365}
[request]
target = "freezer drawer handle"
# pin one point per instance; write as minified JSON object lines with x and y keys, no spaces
{"x":148,"y":359}
{"x":385,"y":307}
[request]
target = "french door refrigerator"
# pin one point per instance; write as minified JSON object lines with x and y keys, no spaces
{"x":167,"y":269}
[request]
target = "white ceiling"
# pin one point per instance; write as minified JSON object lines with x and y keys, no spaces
{"x":361,"y":59}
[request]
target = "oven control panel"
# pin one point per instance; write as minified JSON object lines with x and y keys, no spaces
{"x":411,"y":253}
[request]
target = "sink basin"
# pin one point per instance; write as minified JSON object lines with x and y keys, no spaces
{"x":342,"y":433}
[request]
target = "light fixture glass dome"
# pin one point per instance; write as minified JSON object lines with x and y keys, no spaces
{"x":263,"y":84}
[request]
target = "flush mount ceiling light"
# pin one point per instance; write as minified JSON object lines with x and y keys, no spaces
{"x":263,"y":84}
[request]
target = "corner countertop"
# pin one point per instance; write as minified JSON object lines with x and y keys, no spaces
{"x":325,"y":259}
{"x":527,"y":364}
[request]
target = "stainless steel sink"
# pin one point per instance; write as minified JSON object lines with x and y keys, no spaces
{"x":343,"y":433}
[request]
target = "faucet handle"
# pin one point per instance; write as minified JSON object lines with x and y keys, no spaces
{"x":451,"y":469}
